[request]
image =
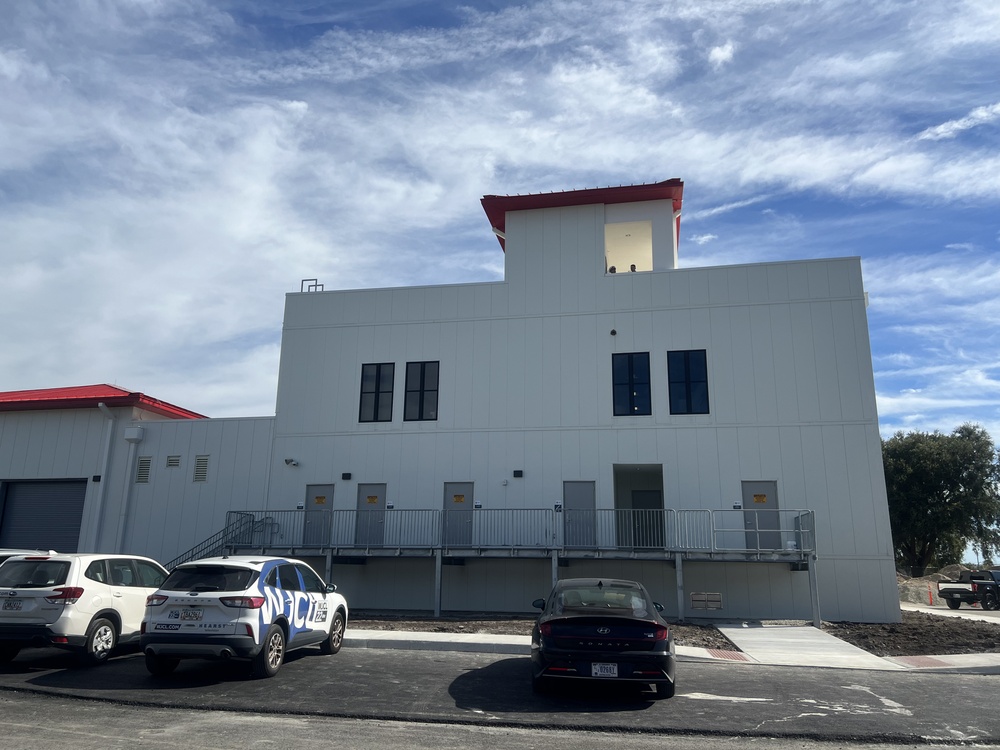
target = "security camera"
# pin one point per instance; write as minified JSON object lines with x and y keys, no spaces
{"x":291,"y":462}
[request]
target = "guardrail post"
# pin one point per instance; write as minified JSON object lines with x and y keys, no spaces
{"x":814,"y":591}
{"x":679,"y":570}
{"x":437,"y":582}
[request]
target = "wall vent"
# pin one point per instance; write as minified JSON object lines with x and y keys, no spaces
{"x":201,"y":468}
{"x":142,"y":469}
{"x":705,"y":600}
{"x":173,"y":462}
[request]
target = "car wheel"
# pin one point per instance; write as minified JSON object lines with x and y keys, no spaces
{"x":990,"y":601}
{"x":7,"y":653}
{"x":665,"y":690}
{"x":336,"y":638}
{"x":954,"y":603}
{"x":159,"y":666}
{"x":272,"y":655}
{"x":101,"y":641}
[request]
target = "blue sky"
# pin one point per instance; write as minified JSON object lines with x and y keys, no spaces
{"x":169,"y":170}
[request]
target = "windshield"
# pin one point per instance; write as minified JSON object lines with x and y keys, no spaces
{"x":604,"y":599}
{"x":209,"y":578}
{"x":28,"y":574}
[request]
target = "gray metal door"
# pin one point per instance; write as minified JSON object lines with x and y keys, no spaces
{"x":580,"y":514}
{"x":42,"y":515}
{"x":760,"y":515}
{"x":458,"y":504}
{"x":370,"y":529}
{"x":319,"y":507}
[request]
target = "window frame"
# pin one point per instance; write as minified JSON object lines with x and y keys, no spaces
{"x":633,"y":383}
{"x":687,"y":387}
{"x":379,"y":394}
{"x":421,"y":392}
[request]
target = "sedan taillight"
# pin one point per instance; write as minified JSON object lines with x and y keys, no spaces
{"x":65,"y":595}
{"x":155,"y":600}
{"x":246,"y":602}
{"x":661,"y":633}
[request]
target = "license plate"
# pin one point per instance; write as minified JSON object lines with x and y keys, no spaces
{"x":11,"y":605}
{"x":603,"y":670}
{"x":190,"y":614}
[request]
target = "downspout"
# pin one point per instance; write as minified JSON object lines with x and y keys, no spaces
{"x":676,"y":225}
{"x":133,"y":436}
{"x":94,"y":536}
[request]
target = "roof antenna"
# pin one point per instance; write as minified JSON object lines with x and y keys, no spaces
{"x":600,"y":584}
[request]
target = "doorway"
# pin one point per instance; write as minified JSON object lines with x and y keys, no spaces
{"x":458,"y":505}
{"x":580,"y":514}
{"x":760,"y":515}
{"x":370,"y":528}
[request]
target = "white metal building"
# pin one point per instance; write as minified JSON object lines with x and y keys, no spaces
{"x":709,"y":431}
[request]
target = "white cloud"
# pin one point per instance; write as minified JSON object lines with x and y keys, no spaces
{"x":979,"y":116}
{"x":721,"y":56}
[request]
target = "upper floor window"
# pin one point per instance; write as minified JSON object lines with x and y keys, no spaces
{"x":376,"y":392}
{"x":421,"y":391}
{"x":630,"y":381}
{"x":688,"y":375}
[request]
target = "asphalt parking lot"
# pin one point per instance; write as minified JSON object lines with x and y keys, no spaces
{"x":494,"y":690}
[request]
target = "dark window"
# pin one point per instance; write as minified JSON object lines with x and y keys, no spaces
{"x":288,"y":579}
{"x":688,"y":376}
{"x":209,"y":578}
{"x":421,"y":391}
{"x":313,"y":583}
{"x":630,"y":377}
{"x":376,"y":392}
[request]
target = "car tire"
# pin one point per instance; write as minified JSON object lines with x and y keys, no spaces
{"x":990,"y":601}
{"x":272,"y":654}
{"x":336,"y":638}
{"x":160,"y":666}
{"x":101,"y":641}
{"x":954,"y":603}
{"x":665,"y":690}
{"x":7,"y":653}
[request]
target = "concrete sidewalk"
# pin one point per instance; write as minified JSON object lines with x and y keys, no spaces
{"x":777,"y":645}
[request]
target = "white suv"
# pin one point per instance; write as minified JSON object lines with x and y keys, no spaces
{"x":85,"y":602}
{"x":249,"y":607}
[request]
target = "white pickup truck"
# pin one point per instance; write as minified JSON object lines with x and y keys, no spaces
{"x":972,"y":587}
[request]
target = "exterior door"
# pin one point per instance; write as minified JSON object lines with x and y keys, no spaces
{"x":647,"y":518}
{"x":370,"y":529}
{"x":319,"y":507}
{"x":760,"y":515}
{"x":42,"y":515}
{"x":458,"y":504}
{"x":580,"y":514}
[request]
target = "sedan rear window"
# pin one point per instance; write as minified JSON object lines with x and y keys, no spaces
{"x":28,"y":574}
{"x":209,"y":578}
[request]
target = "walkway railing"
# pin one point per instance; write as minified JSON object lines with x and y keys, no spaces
{"x":702,"y":531}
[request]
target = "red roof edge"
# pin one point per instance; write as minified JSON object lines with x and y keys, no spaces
{"x":497,"y":206}
{"x":88,"y":397}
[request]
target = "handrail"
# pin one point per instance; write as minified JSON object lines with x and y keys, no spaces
{"x":667,"y":530}
{"x":238,"y":523}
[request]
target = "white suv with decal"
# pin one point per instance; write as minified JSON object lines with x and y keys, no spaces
{"x":247,"y":607}
{"x":84,"y":602}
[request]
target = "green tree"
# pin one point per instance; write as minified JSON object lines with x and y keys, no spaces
{"x":944,"y":493}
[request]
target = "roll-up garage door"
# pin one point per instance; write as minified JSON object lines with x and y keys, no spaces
{"x":42,"y":515}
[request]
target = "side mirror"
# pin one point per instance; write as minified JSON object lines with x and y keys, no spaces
{"x":657,"y":606}
{"x":538,"y":604}
{"x":331,"y":587}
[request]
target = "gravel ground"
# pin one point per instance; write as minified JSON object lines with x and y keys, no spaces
{"x":918,"y":634}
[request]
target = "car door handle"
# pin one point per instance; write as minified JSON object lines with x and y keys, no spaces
{"x":117,"y":593}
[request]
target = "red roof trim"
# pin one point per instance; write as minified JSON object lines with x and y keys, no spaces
{"x":88,"y":397}
{"x":497,"y":206}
